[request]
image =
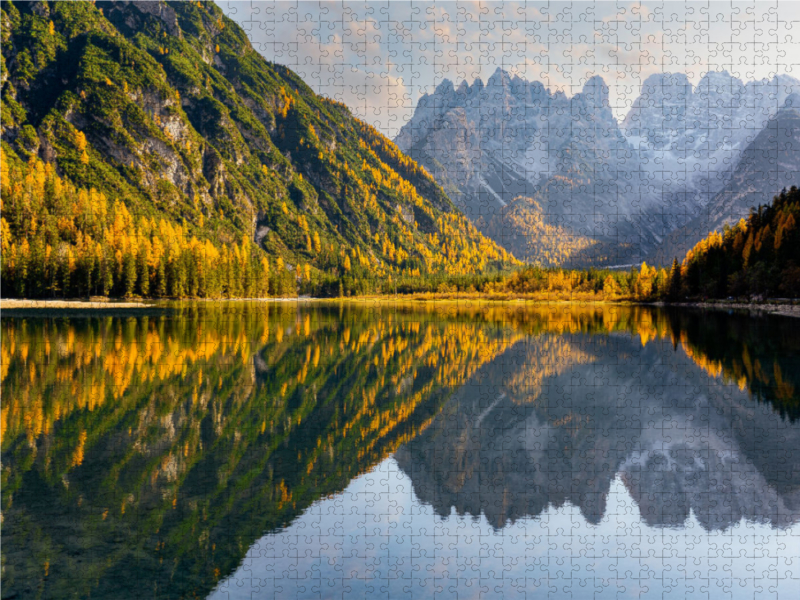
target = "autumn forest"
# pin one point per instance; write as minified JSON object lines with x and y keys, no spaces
{"x":62,"y":241}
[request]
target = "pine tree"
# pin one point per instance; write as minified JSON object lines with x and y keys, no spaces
{"x":66,"y":272}
{"x":675,"y":283}
{"x":36,"y":271}
{"x":129,"y":273}
{"x":264,"y":279}
{"x":143,"y":271}
{"x":161,"y":277}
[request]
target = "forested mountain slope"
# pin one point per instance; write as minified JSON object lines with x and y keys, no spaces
{"x":166,"y":108}
{"x":759,"y":255}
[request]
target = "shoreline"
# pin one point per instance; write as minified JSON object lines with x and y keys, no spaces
{"x":789,"y":307}
{"x":112,"y":304}
{"x":12,"y":304}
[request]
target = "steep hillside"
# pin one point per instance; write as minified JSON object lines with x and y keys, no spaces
{"x":523,"y":228}
{"x":167,"y":107}
{"x":757,"y":256}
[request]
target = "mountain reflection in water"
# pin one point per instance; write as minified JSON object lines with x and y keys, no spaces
{"x":510,"y":443}
{"x":170,"y":447}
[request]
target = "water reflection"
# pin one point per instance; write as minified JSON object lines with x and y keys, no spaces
{"x":159,"y":448}
{"x":512,"y":444}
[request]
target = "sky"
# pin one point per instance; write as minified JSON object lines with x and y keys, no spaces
{"x":379,"y":58}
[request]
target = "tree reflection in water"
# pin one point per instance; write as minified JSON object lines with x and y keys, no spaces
{"x":159,"y":447}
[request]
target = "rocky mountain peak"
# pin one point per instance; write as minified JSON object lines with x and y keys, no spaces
{"x":593,"y":102}
{"x":596,"y":88}
{"x":671,"y":88}
{"x":500,"y":78}
{"x":721,"y":84}
{"x":445,"y":88}
{"x":792,"y":101}
{"x":675,"y":149}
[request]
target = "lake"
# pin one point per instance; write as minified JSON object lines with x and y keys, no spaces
{"x":266,"y":450}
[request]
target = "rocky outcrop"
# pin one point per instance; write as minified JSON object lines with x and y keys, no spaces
{"x":623,"y":188}
{"x":769,"y":163}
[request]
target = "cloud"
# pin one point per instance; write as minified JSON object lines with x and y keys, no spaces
{"x":380,"y":58}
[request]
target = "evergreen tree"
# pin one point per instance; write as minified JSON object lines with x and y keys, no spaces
{"x":143,"y":272}
{"x":675,"y":283}
{"x":161,"y":278}
{"x":129,"y":270}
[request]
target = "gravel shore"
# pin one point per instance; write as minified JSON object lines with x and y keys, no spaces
{"x":85,"y":304}
{"x":787,"y":309}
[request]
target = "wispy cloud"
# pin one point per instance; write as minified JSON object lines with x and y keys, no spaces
{"x":381,"y":57}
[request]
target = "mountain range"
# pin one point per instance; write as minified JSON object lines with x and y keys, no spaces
{"x":513,"y":155}
{"x":167,"y":108}
{"x":769,"y":164}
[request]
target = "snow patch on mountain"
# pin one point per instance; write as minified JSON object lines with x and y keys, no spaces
{"x":630,"y":183}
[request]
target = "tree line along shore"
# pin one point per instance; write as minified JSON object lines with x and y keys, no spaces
{"x":62,"y":242}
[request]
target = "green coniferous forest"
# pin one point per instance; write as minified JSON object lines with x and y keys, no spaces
{"x":759,"y":255}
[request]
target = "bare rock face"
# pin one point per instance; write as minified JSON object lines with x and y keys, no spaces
{"x":769,"y":163}
{"x":709,"y":126}
{"x":161,"y":10}
{"x":629,"y":185}
{"x":489,"y":145}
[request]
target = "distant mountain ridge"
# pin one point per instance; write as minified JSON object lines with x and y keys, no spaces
{"x":616,"y":189}
{"x":769,"y":164}
{"x":490,"y":144}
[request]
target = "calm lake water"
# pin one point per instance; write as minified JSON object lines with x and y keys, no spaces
{"x":327,"y":451}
